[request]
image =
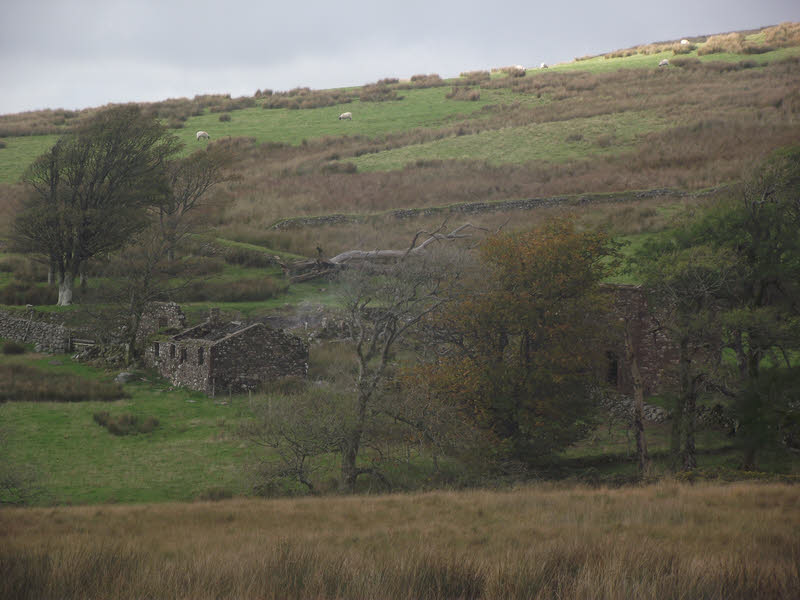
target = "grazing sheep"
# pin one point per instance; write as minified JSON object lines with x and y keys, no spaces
{"x":543,"y":66}
{"x":347,"y":115}
{"x":202,"y":135}
{"x":664,"y":63}
{"x":684,"y":42}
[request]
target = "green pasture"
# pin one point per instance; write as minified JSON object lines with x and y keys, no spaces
{"x":426,"y":108}
{"x":551,"y":142}
{"x":419,"y":108}
{"x":21,"y":152}
{"x":77,"y":461}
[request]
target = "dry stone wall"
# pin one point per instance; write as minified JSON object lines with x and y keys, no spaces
{"x":35,"y":328}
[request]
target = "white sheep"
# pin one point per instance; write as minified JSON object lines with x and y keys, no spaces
{"x":543,"y":66}
{"x":347,"y":115}
{"x":664,"y":63}
{"x":684,"y":42}
{"x":202,"y":135}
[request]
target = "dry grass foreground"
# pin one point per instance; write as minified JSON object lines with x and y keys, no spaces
{"x":662,"y":541}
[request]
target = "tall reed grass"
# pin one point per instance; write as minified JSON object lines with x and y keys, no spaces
{"x":737,"y":541}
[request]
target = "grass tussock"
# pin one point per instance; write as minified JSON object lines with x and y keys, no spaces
{"x":665,"y":541}
{"x":23,"y":383}
{"x":125,"y":424}
{"x":464,"y":93}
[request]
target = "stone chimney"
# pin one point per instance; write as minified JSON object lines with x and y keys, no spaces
{"x":213,"y":317}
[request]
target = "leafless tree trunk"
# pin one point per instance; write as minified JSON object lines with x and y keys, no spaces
{"x":638,"y":402}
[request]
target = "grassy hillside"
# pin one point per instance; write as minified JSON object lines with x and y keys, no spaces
{"x":646,"y":142}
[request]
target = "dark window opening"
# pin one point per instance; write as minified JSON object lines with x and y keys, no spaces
{"x":183,"y":355}
{"x":612,"y":375}
{"x":155,"y":348}
{"x":200,"y":357}
{"x":172,"y":350}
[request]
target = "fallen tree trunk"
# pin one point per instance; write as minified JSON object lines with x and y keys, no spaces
{"x":306,"y":270}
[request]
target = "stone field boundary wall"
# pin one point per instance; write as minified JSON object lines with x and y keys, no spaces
{"x":35,"y":328}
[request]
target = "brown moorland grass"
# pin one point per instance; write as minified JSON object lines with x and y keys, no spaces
{"x":724,"y":121}
{"x":666,"y":540}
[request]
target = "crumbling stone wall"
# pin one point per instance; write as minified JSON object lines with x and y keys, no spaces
{"x":657,"y":354}
{"x":256,"y":354}
{"x":158,"y":316}
{"x":35,"y":328}
{"x":216,"y":357}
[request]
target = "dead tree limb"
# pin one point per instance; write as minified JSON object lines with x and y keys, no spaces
{"x":395,"y":255}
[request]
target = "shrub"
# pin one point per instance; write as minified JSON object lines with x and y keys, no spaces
{"x":730,"y":42}
{"x":236,"y":255}
{"x":125,"y":424}
{"x":23,"y":383}
{"x":242,"y":290}
{"x":377,"y":92}
{"x":339,"y":167}
{"x":425,"y":81}
{"x":17,"y":293}
{"x":12,"y":347}
{"x":215,"y":494}
{"x":683,"y":48}
{"x":463,"y":93}
{"x":3,"y":144}
{"x":225,"y":117}
{"x":23,"y":267}
{"x":691,"y":62}
{"x":783,"y":35}
{"x":474,"y":77}
{"x":604,"y":140}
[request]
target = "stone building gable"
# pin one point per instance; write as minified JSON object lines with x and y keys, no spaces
{"x":657,"y":354}
{"x":160,"y":316}
{"x":216,"y":357}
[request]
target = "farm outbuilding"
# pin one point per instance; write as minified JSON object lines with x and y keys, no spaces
{"x":219,"y":357}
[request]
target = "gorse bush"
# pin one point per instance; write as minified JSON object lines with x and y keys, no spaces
{"x":463,"y":93}
{"x":378,"y":92}
{"x":125,"y":424}
{"x":306,"y":98}
{"x":474,"y":77}
{"x":423,"y":81}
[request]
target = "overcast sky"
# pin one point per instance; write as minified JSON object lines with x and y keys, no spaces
{"x":84,"y":53}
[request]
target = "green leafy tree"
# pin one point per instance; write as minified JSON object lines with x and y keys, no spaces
{"x":525,"y":346}
{"x":90,"y":192}
{"x":730,"y":281}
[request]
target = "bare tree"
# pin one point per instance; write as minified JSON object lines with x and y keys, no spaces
{"x":188,"y":182}
{"x":383,"y":303}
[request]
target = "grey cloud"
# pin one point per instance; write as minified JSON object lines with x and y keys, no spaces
{"x":90,"y":52}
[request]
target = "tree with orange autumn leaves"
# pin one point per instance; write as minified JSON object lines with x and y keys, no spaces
{"x":520,"y":352}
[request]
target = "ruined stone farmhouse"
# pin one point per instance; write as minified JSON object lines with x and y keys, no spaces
{"x":657,"y":355}
{"x":219,"y":357}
